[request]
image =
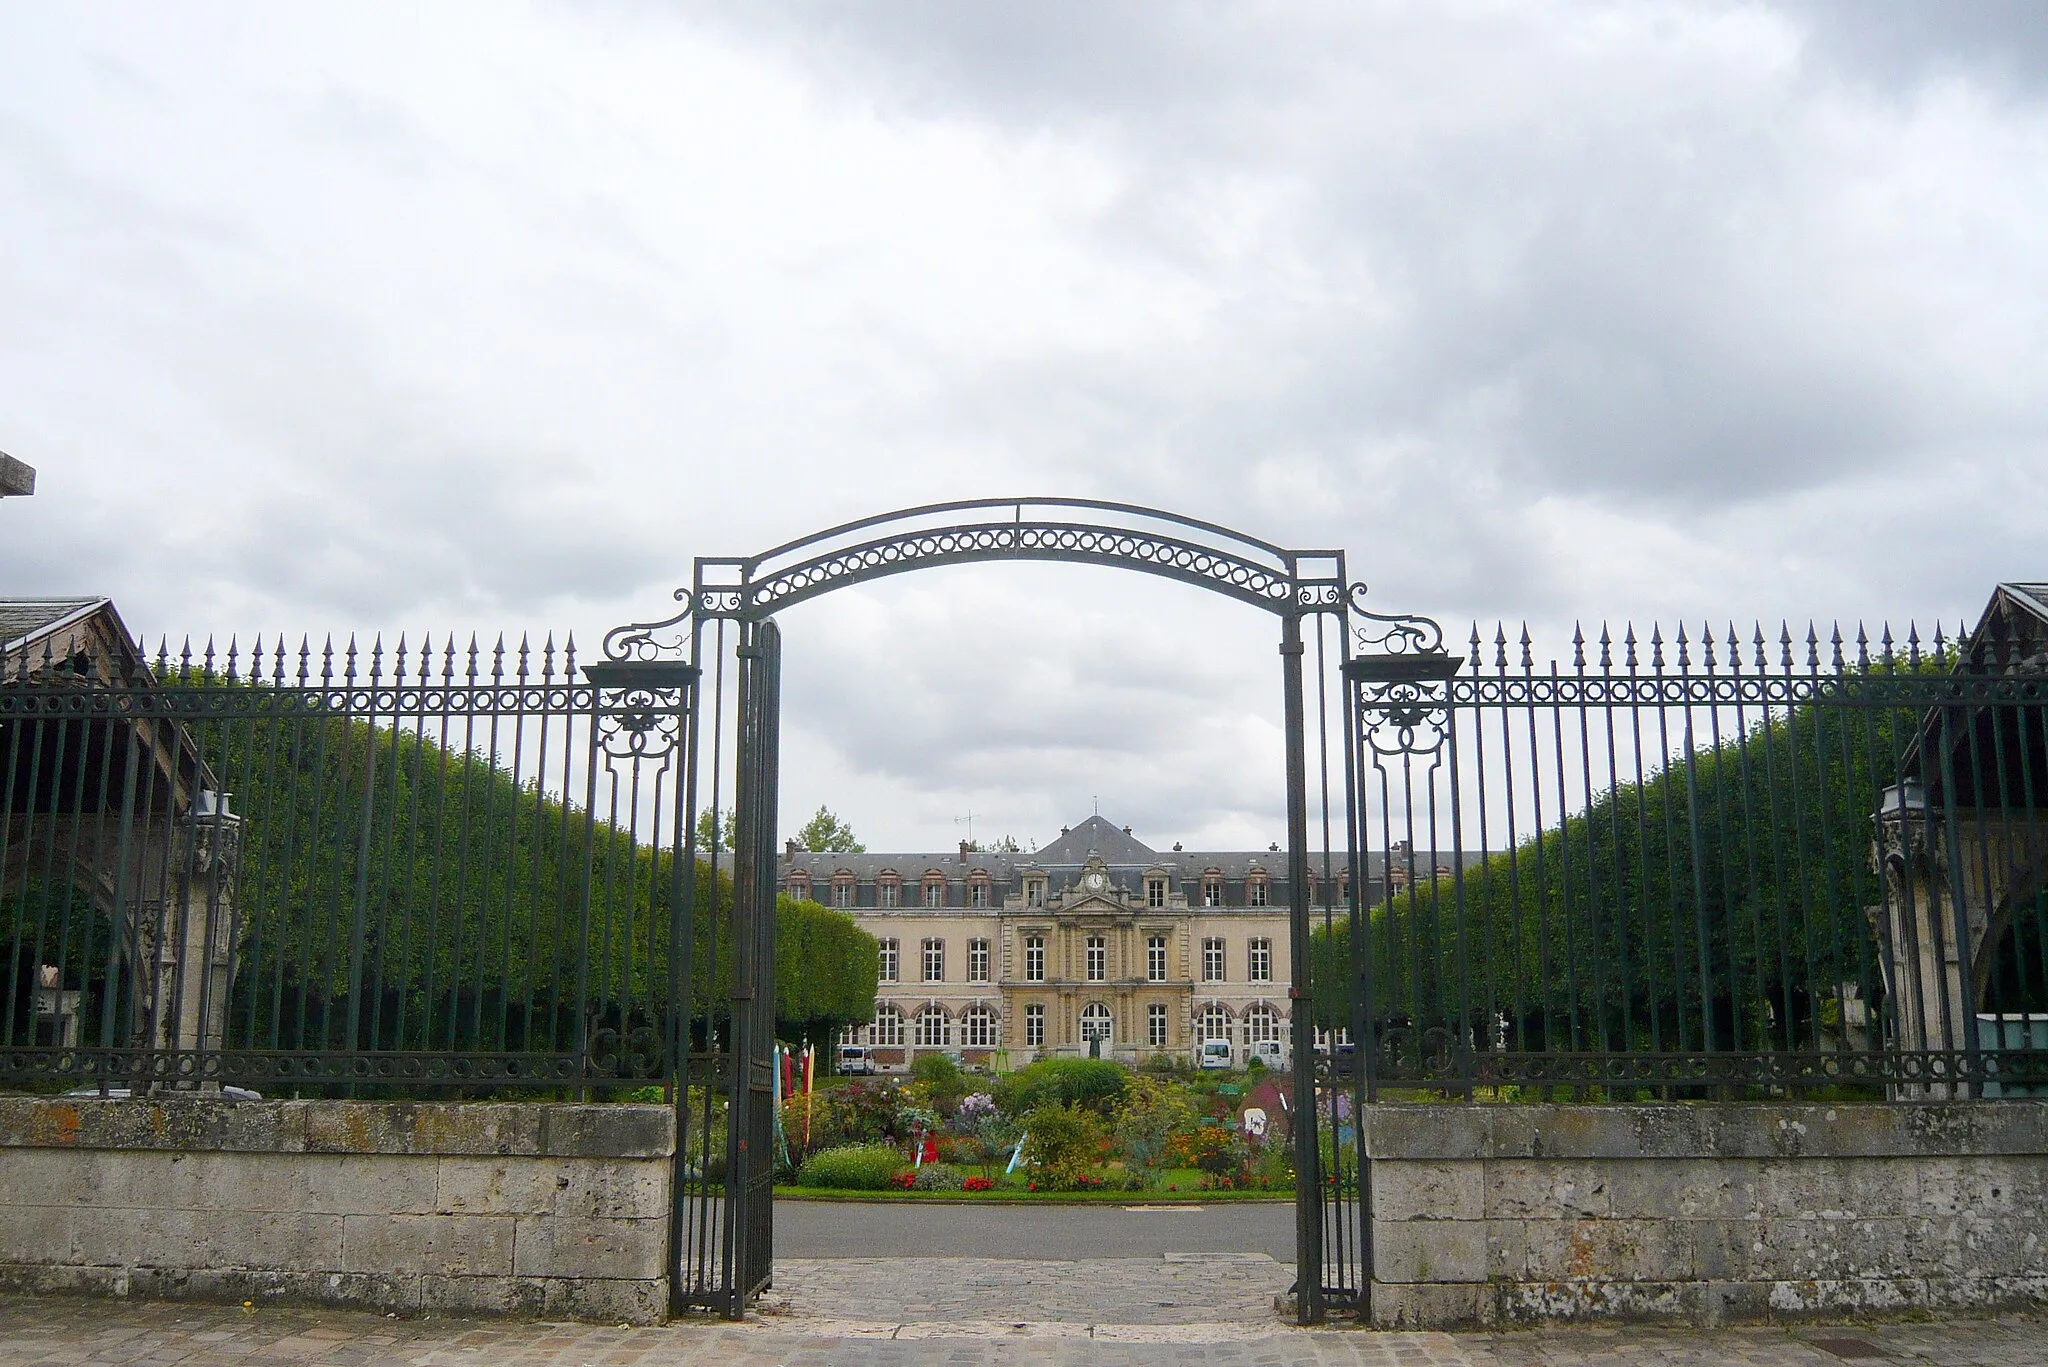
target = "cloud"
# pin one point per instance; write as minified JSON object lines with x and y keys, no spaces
{"x":388,"y":317}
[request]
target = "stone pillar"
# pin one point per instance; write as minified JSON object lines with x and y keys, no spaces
{"x":187,"y":945}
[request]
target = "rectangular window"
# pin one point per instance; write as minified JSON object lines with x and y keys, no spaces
{"x":1155,"y":959}
{"x":889,"y":1027}
{"x":886,"y":894}
{"x":1034,"y":1026}
{"x":1212,"y":892}
{"x":889,"y":961}
{"x":1155,"y":892}
{"x":977,"y":895}
{"x":934,"y":961}
{"x":1155,"y":1025}
{"x":1034,"y":958}
{"x":842,"y":894}
{"x":1034,"y":893}
{"x":1212,"y":961}
{"x":1255,"y":892}
{"x":1098,"y":959}
{"x":1258,"y":964}
{"x":935,"y":893}
{"x":977,"y":961}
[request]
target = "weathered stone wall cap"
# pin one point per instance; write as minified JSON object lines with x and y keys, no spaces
{"x":1707,"y":1130}
{"x":543,"y":1129}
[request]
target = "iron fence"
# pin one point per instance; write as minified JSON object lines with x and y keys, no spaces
{"x":321,"y":868}
{"x":1696,"y":864}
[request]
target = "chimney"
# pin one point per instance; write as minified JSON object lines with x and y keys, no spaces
{"x":963,"y":851}
{"x":789,"y":851}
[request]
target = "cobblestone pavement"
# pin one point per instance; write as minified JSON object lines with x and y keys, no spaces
{"x":1179,"y":1288}
{"x":47,"y":1332}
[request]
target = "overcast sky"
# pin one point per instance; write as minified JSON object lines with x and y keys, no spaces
{"x":428,"y":316}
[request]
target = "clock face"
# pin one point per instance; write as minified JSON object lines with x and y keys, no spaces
{"x":1093,"y":882}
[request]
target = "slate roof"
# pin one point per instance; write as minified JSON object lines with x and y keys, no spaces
{"x":24,"y":618}
{"x":1126,"y":855}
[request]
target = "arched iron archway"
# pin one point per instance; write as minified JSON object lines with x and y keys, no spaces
{"x":722,"y":1234}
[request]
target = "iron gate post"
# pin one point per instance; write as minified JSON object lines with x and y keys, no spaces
{"x":1308,"y":1182}
{"x":750,"y":1120}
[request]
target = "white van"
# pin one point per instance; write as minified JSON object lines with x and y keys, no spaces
{"x":1267,"y":1053}
{"x":1216,"y":1053}
{"x":856,"y":1060}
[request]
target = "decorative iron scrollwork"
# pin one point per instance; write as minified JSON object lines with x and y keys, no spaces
{"x":1402,"y":673}
{"x":665,"y":639}
{"x":641,"y":705}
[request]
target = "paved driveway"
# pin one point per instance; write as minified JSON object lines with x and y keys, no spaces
{"x":856,"y":1229}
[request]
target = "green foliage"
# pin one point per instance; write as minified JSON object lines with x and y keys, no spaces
{"x":938,"y":1177}
{"x":1094,"y":1083}
{"x":492,"y":911}
{"x":859,"y":1112}
{"x":852,"y":1167}
{"x":1146,"y":1118}
{"x":1063,"y":1144}
{"x":716,"y":838}
{"x":1713,"y":903}
{"x":946,"y":1079}
{"x":826,"y":968}
{"x":825,"y":831}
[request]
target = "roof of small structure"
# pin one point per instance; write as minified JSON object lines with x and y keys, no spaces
{"x":24,"y":619}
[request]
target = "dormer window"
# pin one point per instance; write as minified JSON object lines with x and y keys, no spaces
{"x":977,"y":888}
{"x":1034,"y":890}
{"x":1255,"y":888}
{"x":800,"y":885}
{"x":888,"y":889}
{"x":1212,"y":888}
{"x":934,"y":889}
{"x":842,"y":888}
{"x":1155,"y":889}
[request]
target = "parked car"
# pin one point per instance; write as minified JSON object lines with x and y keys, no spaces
{"x":856,"y":1060}
{"x":1216,"y":1053}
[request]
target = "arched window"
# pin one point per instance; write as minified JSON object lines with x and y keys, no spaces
{"x":1097,"y":1023}
{"x":932,"y":1029}
{"x":977,"y":888}
{"x":888,"y":888}
{"x":888,"y":1027}
{"x":979,"y":1027}
{"x":934,"y":889}
{"x":1212,"y":1022}
{"x":1261,"y":1023}
{"x":1255,"y":888}
{"x":800,"y":885}
{"x":842,"y":888}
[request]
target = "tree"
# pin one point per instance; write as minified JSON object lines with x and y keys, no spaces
{"x":825,"y":831}
{"x":1718,"y":903}
{"x":721,"y":840}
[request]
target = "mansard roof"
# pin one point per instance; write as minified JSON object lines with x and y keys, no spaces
{"x":1117,"y":846}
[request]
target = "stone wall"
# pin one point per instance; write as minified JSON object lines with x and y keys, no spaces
{"x":1705,"y":1213}
{"x":556,"y":1210}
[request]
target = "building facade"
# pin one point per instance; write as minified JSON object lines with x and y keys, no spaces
{"x":1095,"y":943}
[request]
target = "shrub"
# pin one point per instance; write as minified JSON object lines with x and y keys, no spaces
{"x":858,"y":1113}
{"x":852,"y":1167}
{"x":977,"y":1184}
{"x":938,"y":1177}
{"x":1146,"y":1119}
{"x":1092,"y":1082}
{"x":1064,"y":1143}
{"x":945,"y":1078}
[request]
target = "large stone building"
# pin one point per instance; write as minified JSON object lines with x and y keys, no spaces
{"x":1095,"y":940}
